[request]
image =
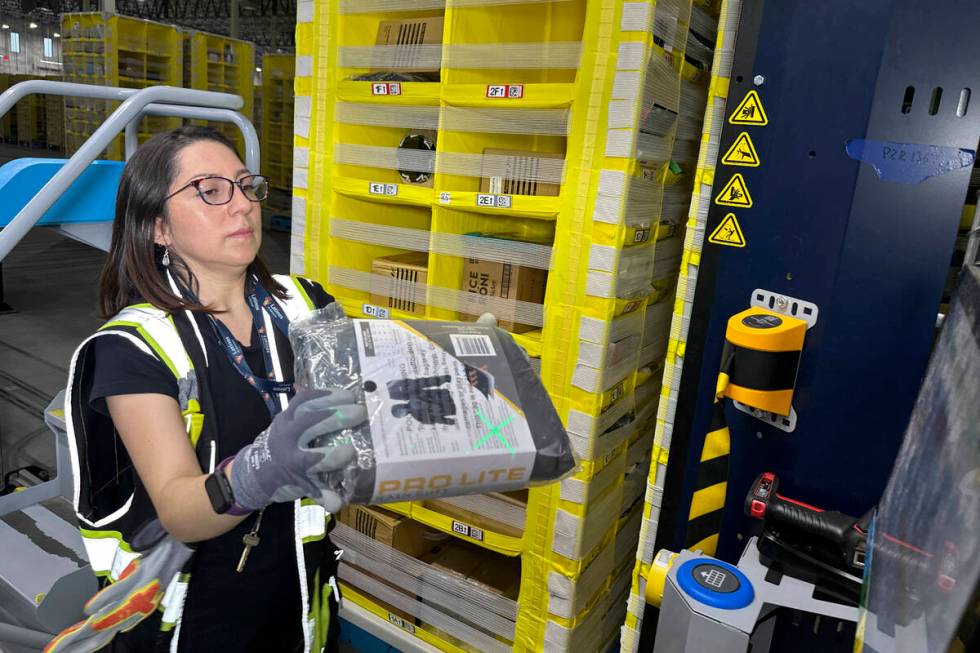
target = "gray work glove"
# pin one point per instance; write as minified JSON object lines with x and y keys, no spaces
{"x":132,"y":598}
{"x":280,"y":465}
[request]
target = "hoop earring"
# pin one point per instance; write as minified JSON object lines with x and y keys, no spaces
{"x":166,"y":257}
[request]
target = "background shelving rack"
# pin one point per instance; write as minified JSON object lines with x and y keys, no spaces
{"x":37,"y":120}
{"x":603,"y":102}
{"x":105,"y":49}
{"x":223,"y":64}
{"x":278,"y":71}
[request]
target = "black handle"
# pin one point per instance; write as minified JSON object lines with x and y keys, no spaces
{"x":828,"y":524}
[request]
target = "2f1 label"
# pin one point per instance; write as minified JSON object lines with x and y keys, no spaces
{"x":505,"y":91}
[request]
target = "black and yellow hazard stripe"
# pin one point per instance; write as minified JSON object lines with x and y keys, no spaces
{"x":708,"y":501}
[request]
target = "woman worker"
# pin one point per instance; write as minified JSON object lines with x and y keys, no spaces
{"x":184,"y":427}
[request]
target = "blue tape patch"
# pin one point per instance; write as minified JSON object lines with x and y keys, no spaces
{"x":908,"y":163}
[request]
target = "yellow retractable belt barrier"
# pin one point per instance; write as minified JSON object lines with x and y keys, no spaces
{"x":759,"y":364}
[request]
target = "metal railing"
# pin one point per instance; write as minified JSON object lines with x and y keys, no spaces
{"x":166,"y":101}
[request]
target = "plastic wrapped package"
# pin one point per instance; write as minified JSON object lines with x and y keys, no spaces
{"x":453,"y":408}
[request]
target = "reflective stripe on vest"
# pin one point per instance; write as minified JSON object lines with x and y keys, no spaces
{"x":108,"y":553}
{"x":311,"y":521}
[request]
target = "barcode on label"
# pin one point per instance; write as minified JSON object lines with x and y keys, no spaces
{"x":472,"y":345}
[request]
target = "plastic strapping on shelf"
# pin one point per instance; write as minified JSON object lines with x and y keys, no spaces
{"x":576,"y":537}
{"x":627,"y":199}
{"x":438,"y":296}
{"x":423,"y":611}
{"x":694,"y":99}
{"x":666,"y":23}
{"x":380,"y":6}
{"x":686,"y":149}
{"x":703,"y":23}
{"x":390,"y":158}
{"x":383,"y":115}
{"x":568,"y":596}
{"x":421,"y":240}
{"x":527,"y":167}
{"x":383,"y":6}
{"x":553,"y":122}
{"x":452,"y":584}
{"x":422,"y":56}
{"x":637,"y":17}
{"x":428,"y":583}
{"x":484,"y":504}
{"x":514,"y":56}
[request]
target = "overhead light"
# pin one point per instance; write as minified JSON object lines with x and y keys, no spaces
{"x":56,"y":35}
{"x":258,"y":70}
{"x":5,"y":26}
{"x":32,"y":25}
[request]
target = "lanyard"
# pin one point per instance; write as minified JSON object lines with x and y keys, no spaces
{"x":259,"y":300}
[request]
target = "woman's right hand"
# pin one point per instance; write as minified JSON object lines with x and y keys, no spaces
{"x":280,"y":465}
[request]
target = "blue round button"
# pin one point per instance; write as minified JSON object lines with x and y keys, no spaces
{"x":715,"y":583}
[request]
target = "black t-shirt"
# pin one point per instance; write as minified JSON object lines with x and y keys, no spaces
{"x":260,"y":608}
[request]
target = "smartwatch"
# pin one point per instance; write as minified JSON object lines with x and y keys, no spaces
{"x":219,"y":492}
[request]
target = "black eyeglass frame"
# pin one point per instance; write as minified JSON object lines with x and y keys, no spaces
{"x":197,"y":188}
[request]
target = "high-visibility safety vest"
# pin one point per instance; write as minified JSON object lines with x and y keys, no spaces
{"x":110,"y":503}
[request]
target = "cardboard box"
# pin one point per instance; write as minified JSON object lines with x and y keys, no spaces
{"x":507,"y":281}
{"x":516,"y":172}
{"x":406,"y":33}
{"x":398,"y":532}
{"x":406,"y":290}
{"x":494,"y":573}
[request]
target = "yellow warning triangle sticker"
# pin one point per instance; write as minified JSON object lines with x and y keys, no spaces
{"x":749,"y":111}
{"x":728,"y":233}
{"x":735,"y":193}
{"x":742,"y":153}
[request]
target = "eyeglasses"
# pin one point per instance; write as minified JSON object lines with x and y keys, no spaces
{"x":219,"y":190}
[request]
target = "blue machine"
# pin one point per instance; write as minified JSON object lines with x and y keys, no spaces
{"x":858,"y":178}
{"x":871,"y":253}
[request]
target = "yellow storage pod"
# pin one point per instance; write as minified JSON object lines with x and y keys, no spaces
{"x":111,"y":50}
{"x":535,"y":159}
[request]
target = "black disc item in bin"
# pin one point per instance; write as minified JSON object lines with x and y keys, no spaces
{"x":414,"y":142}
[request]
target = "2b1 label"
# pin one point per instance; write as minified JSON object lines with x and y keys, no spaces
{"x":505,"y":91}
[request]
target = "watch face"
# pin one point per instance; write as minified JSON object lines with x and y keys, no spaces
{"x":218,"y":492}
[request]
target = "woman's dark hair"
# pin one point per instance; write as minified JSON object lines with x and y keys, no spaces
{"x":133,"y":271}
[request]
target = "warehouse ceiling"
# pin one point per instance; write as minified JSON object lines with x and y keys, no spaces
{"x":270,"y":24}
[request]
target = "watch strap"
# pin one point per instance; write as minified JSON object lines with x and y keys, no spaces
{"x":235,"y":510}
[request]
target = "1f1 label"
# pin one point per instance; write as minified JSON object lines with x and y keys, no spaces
{"x":386,"y":88}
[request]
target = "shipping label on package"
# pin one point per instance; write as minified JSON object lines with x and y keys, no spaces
{"x":444,"y":410}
